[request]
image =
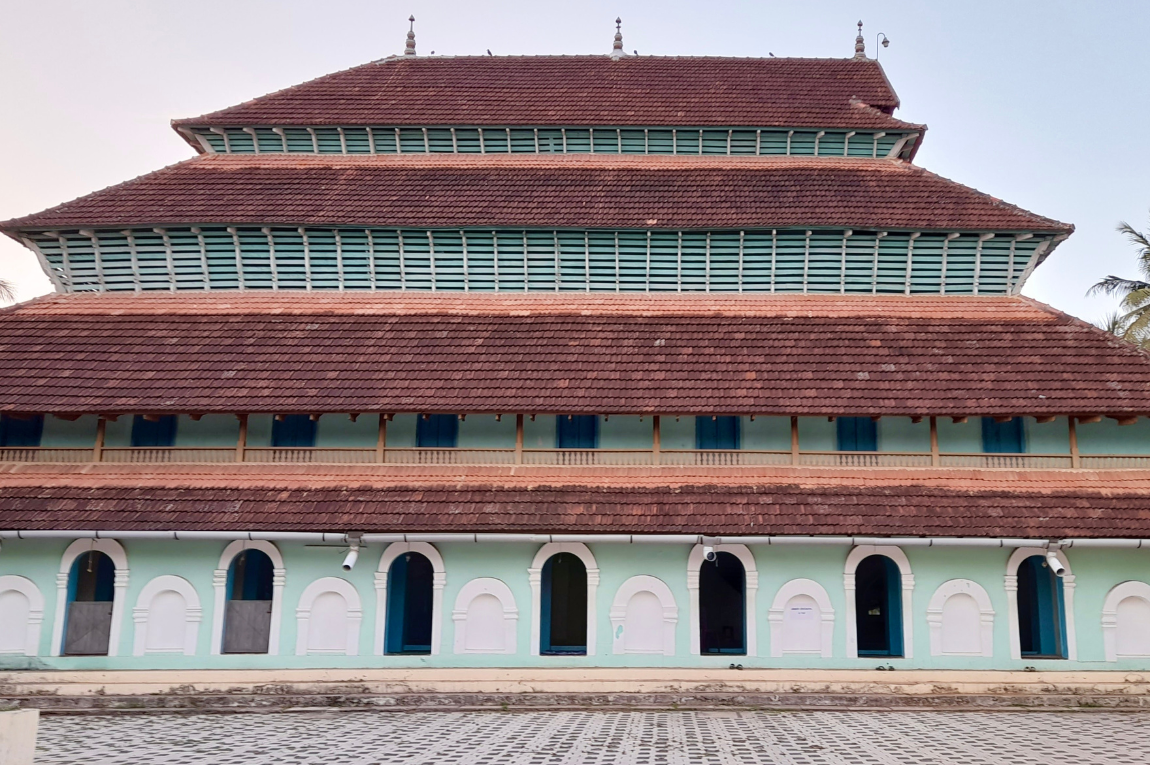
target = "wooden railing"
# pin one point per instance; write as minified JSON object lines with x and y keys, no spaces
{"x":565,"y":457}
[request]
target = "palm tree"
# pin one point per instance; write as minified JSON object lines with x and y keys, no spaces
{"x":1132,"y":321}
{"x":7,"y":292}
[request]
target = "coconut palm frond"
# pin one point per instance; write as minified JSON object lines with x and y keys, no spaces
{"x":7,"y":292}
{"x":1116,"y":285}
{"x":1140,"y":241}
{"x":1114,"y":323}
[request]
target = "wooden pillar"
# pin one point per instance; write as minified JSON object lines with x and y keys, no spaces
{"x":381,"y":440}
{"x":1075,"y":460}
{"x":935,"y":458}
{"x":794,"y":440}
{"x":242,"y":441}
{"x":656,"y":439}
{"x":518,"y":439}
{"x":98,"y":449}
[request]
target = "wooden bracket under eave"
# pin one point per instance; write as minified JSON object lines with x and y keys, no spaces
{"x":1129,"y":419}
{"x":1089,"y":419}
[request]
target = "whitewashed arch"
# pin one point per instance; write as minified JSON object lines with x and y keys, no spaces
{"x":324,"y":634}
{"x":1125,"y":624}
{"x":113,"y":550}
{"x":798,"y":602}
{"x":438,"y":582}
{"x":633,"y":628}
{"x":858,"y":555}
{"x":20,"y":635}
{"x":220,"y":585}
{"x":961,"y":620}
{"x":694,"y":562}
{"x":163,"y":624}
{"x":485,"y":616}
{"x":1011,"y":584}
{"x":535,"y":577}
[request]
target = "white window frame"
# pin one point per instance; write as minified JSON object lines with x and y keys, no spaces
{"x":220,"y":584}
{"x":113,"y":550}
{"x":751,"y":584}
{"x":777,"y":613}
{"x":192,"y":618}
{"x":29,"y":590}
{"x":438,"y":583}
{"x":468,"y":593}
{"x":1117,"y":594}
{"x":350,"y":594}
{"x":934,"y":611}
{"x":1011,"y":585}
{"x":535,"y":577}
{"x":618,"y":614}
{"x":857,"y":555}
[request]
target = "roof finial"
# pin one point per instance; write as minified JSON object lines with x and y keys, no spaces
{"x":617,"y":49}
{"x":860,"y":45}
{"x":410,"y":49}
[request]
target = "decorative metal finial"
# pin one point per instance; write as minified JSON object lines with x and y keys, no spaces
{"x":617,"y":51}
{"x":409,"y":50}
{"x":860,"y":44}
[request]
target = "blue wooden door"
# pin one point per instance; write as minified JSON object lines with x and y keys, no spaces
{"x":716,"y":432}
{"x":21,"y":432}
{"x":1003,"y":437}
{"x":294,"y":430}
{"x":857,"y":434}
{"x":437,"y":431}
{"x":580,"y":431}
{"x":161,"y":432}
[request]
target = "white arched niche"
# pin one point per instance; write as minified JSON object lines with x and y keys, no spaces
{"x":961,"y":620}
{"x":113,"y":550}
{"x":167,"y":617}
{"x":643,"y":617}
{"x":328,"y":618}
{"x":439,"y":581}
{"x":1011,"y":584}
{"x":220,"y":585}
{"x":1126,"y":621}
{"x":802,"y":620}
{"x":858,"y":555}
{"x":485,"y":616}
{"x":751,"y":583}
{"x":21,"y":614}
{"x":535,"y":577}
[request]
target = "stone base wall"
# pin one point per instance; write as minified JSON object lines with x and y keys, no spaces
{"x":509,"y":689}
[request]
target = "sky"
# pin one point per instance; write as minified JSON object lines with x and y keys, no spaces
{"x":1041,"y":103}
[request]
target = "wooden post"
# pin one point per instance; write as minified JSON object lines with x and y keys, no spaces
{"x":794,"y":440}
{"x":656,"y":439}
{"x":381,"y":441}
{"x":518,"y":439}
{"x":242,"y":441}
{"x":1075,"y":460}
{"x":935,"y":458}
{"x":98,"y":449}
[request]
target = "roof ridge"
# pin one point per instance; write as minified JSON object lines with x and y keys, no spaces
{"x":1116,"y":342}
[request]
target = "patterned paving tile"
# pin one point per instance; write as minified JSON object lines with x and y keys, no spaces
{"x":601,"y":738}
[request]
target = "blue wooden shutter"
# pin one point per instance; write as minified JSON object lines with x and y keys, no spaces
{"x":580,"y":431}
{"x":437,"y":431}
{"x":294,"y":430}
{"x":716,"y":432}
{"x":159,"y":433}
{"x":857,"y":434}
{"x":16,"y":432}
{"x":1003,"y":437}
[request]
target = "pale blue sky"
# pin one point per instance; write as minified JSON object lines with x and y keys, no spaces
{"x":1043,"y":104}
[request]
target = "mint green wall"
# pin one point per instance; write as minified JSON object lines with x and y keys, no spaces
{"x":817,"y":434}
{"x":540,"y":433}
{"x":210,"y":430}
{"x":401,"y":431}
{"x":766,"y":433}
{"x":899,"y":434}
{"x":62,"y":434}
{"x":1108,"y":437}
{"x":260,"y":430}
{"x":482,"y":431}
{"x":339,"y":430}
{"x":1048,"y":437}
{"x":1096,"y":572}
{"x":626,"y":433}
{"x":118,"y":432}
{"x":676,"y":433}
{"x":959,"y":437}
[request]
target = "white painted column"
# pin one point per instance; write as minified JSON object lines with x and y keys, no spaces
{"x":852,"y":621}
{"x":61,"y":613}
{"x":438,"y":583}
{"x":279,"y":579}
{"x":381,"y":613}
{"x":1011,"y":587}
{"x":1068,"y":601}
{"x":592,"y":611}
{"x":752,"y":616}
{"x":907,"y":616}
{"x":693,"y":595}
{"x":219,"y":584}
{"x":535,"y":578}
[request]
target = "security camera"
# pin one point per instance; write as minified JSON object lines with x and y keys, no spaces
{"x":1055,"y":564}
{"x":709,"y":554}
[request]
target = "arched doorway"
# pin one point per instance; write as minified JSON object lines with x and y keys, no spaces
{"x":878,"y":607}
{"x":1041,"y":608}
{"x":410,"y":598}
{"x":248,"y":617}
{"x":722,"y":606}
{"x":91,"y":592}
{"x":563,"y":614}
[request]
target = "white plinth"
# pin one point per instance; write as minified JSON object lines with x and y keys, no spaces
{"x":18,"y":736}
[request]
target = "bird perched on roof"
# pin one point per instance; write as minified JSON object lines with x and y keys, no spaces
{"x":489,"y":53}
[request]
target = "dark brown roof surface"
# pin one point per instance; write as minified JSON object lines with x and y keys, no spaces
{"x":562,"y":353}
{"x":571,"y":191}
{"x":779,"y":502}
{"x":582,"y":90}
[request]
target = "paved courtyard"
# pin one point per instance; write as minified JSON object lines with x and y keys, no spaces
{"x":614,"y":738}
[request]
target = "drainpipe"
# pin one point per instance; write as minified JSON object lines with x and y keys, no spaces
{"x":673,"y":539}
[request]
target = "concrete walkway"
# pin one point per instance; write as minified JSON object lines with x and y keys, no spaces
{"x":602,"y":738}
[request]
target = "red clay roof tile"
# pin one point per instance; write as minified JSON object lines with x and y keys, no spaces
{"x":582,"y":90}
{"x":562,"y":354}
{"x":570,"y":191}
